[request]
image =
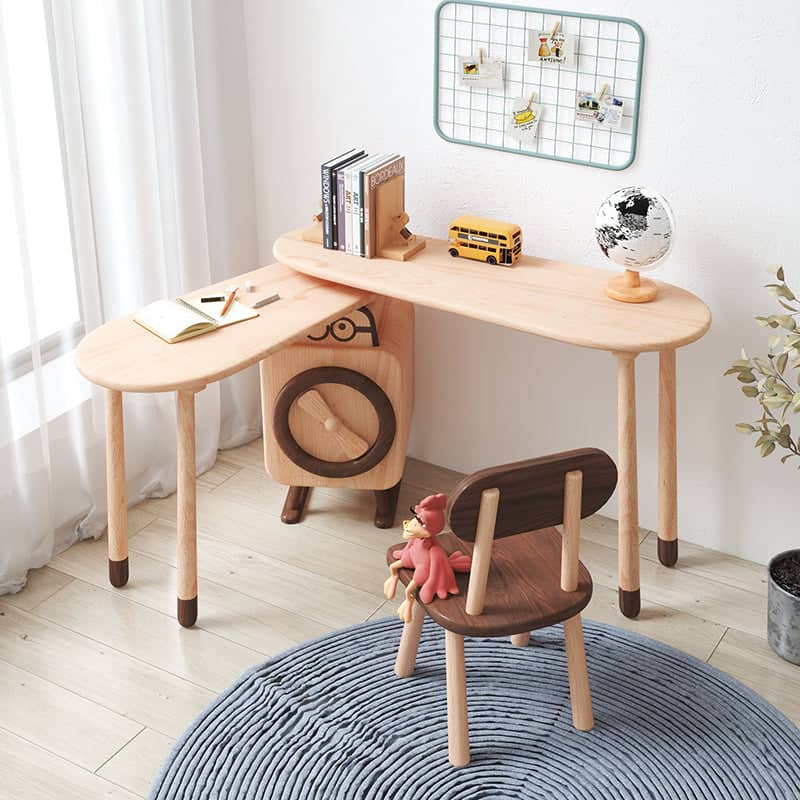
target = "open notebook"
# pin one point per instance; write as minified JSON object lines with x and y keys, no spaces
{"x":175,"y":320}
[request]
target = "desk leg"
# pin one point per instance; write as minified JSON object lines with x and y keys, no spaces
{"x":187,"y":511}
{"x":629,"y":596}
{"x":667,"y":461}
{"x":115,"y":483}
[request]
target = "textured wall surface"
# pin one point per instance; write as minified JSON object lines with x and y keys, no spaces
{"x":719,"y":136}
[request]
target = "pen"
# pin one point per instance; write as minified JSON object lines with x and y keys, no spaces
{"x":215,"y":299}
{"x":229,"y":301}
{"x":267,"y":301}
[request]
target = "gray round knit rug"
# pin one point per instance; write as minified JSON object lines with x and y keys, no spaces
{"x":329,"y":720}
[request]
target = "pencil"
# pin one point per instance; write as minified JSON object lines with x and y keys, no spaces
{"x":229,"y":302}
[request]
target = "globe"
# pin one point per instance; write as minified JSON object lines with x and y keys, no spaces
{"x":634,"y":228}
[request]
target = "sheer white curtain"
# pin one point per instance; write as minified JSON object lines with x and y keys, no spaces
{"x":141,"y":189}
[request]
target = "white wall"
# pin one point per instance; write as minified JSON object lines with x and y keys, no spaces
{"x":719,"y":136}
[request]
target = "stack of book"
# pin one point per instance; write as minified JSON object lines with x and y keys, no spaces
{"x":350,"y":188}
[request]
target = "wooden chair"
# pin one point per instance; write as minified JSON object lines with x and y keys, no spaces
{"x":517,"y":584}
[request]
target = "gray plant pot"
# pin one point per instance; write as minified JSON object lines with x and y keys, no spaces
{"x":783,"y":620}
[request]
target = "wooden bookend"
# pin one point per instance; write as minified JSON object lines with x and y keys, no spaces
{"x":630,"y":288}
{"x":392,"y":238}
{"x":314,"y":232}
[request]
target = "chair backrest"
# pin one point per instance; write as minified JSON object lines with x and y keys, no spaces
{"x":532,"y":492}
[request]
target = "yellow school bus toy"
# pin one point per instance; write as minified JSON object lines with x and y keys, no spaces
{"x":485,"y":240}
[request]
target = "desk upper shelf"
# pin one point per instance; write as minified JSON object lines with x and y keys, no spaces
{"x":548,"y":298}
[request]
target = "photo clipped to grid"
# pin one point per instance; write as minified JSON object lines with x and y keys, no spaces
{"x":607,"y":56}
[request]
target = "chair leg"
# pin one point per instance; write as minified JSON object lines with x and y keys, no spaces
{"x":407,"y":652}
{"x":457,"y":727}
{"x":582,"y":716}
{"x":521,"y":639}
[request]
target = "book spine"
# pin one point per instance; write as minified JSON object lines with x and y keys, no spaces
{"x":326,"y":206}
{"x":366,"y":191}
{"x":348,"y":212}
{"x":340,"y":212}
{"x":357,"y":213}
{"x":334,"y":211}
{"x":361,"y":215}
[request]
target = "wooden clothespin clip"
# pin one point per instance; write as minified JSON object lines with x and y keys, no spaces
{"x":602,"y":92}
{"x":480,"y":55}
{"x":531,"y":99}
{"x":555,"y":29}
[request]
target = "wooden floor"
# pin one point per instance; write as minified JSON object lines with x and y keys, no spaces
{"x":96,"y":683}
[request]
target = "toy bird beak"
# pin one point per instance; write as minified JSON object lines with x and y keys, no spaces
{"x":412,"y":529}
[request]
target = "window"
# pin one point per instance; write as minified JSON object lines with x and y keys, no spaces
{"x":38,"y":267}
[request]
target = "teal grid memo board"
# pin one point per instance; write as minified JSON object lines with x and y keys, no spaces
{"x":608,"y":50}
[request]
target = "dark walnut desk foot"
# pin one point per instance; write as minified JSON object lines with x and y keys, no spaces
{"x":294,"y":505}
{"x":187,"y":612}
{"x":630,"y":602}
{"x":118,"y":572}
{"x":386,"y":506}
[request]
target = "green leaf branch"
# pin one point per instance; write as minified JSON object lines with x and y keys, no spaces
{"x":773,"y":380}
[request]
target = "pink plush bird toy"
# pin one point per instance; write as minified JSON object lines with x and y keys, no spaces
{"x":434,"y":569}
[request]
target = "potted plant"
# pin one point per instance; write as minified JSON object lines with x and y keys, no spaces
{"x":773,"y":381}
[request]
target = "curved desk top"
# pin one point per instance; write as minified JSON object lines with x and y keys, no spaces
{"x":548,"y":298}
{"x":122,"y":355}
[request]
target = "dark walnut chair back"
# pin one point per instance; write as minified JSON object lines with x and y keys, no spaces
{"x":532,"y":492}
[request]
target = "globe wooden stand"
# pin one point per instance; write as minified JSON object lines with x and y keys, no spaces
{"x":630,"y":288}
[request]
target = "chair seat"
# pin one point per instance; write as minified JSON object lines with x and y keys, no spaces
{"x":523,"y":591}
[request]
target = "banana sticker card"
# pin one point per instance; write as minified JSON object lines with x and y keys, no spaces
{"x":523,"y":122}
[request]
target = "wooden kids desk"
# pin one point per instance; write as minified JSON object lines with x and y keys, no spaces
{"x":562,"y":302}
{"x":123,"y":357}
